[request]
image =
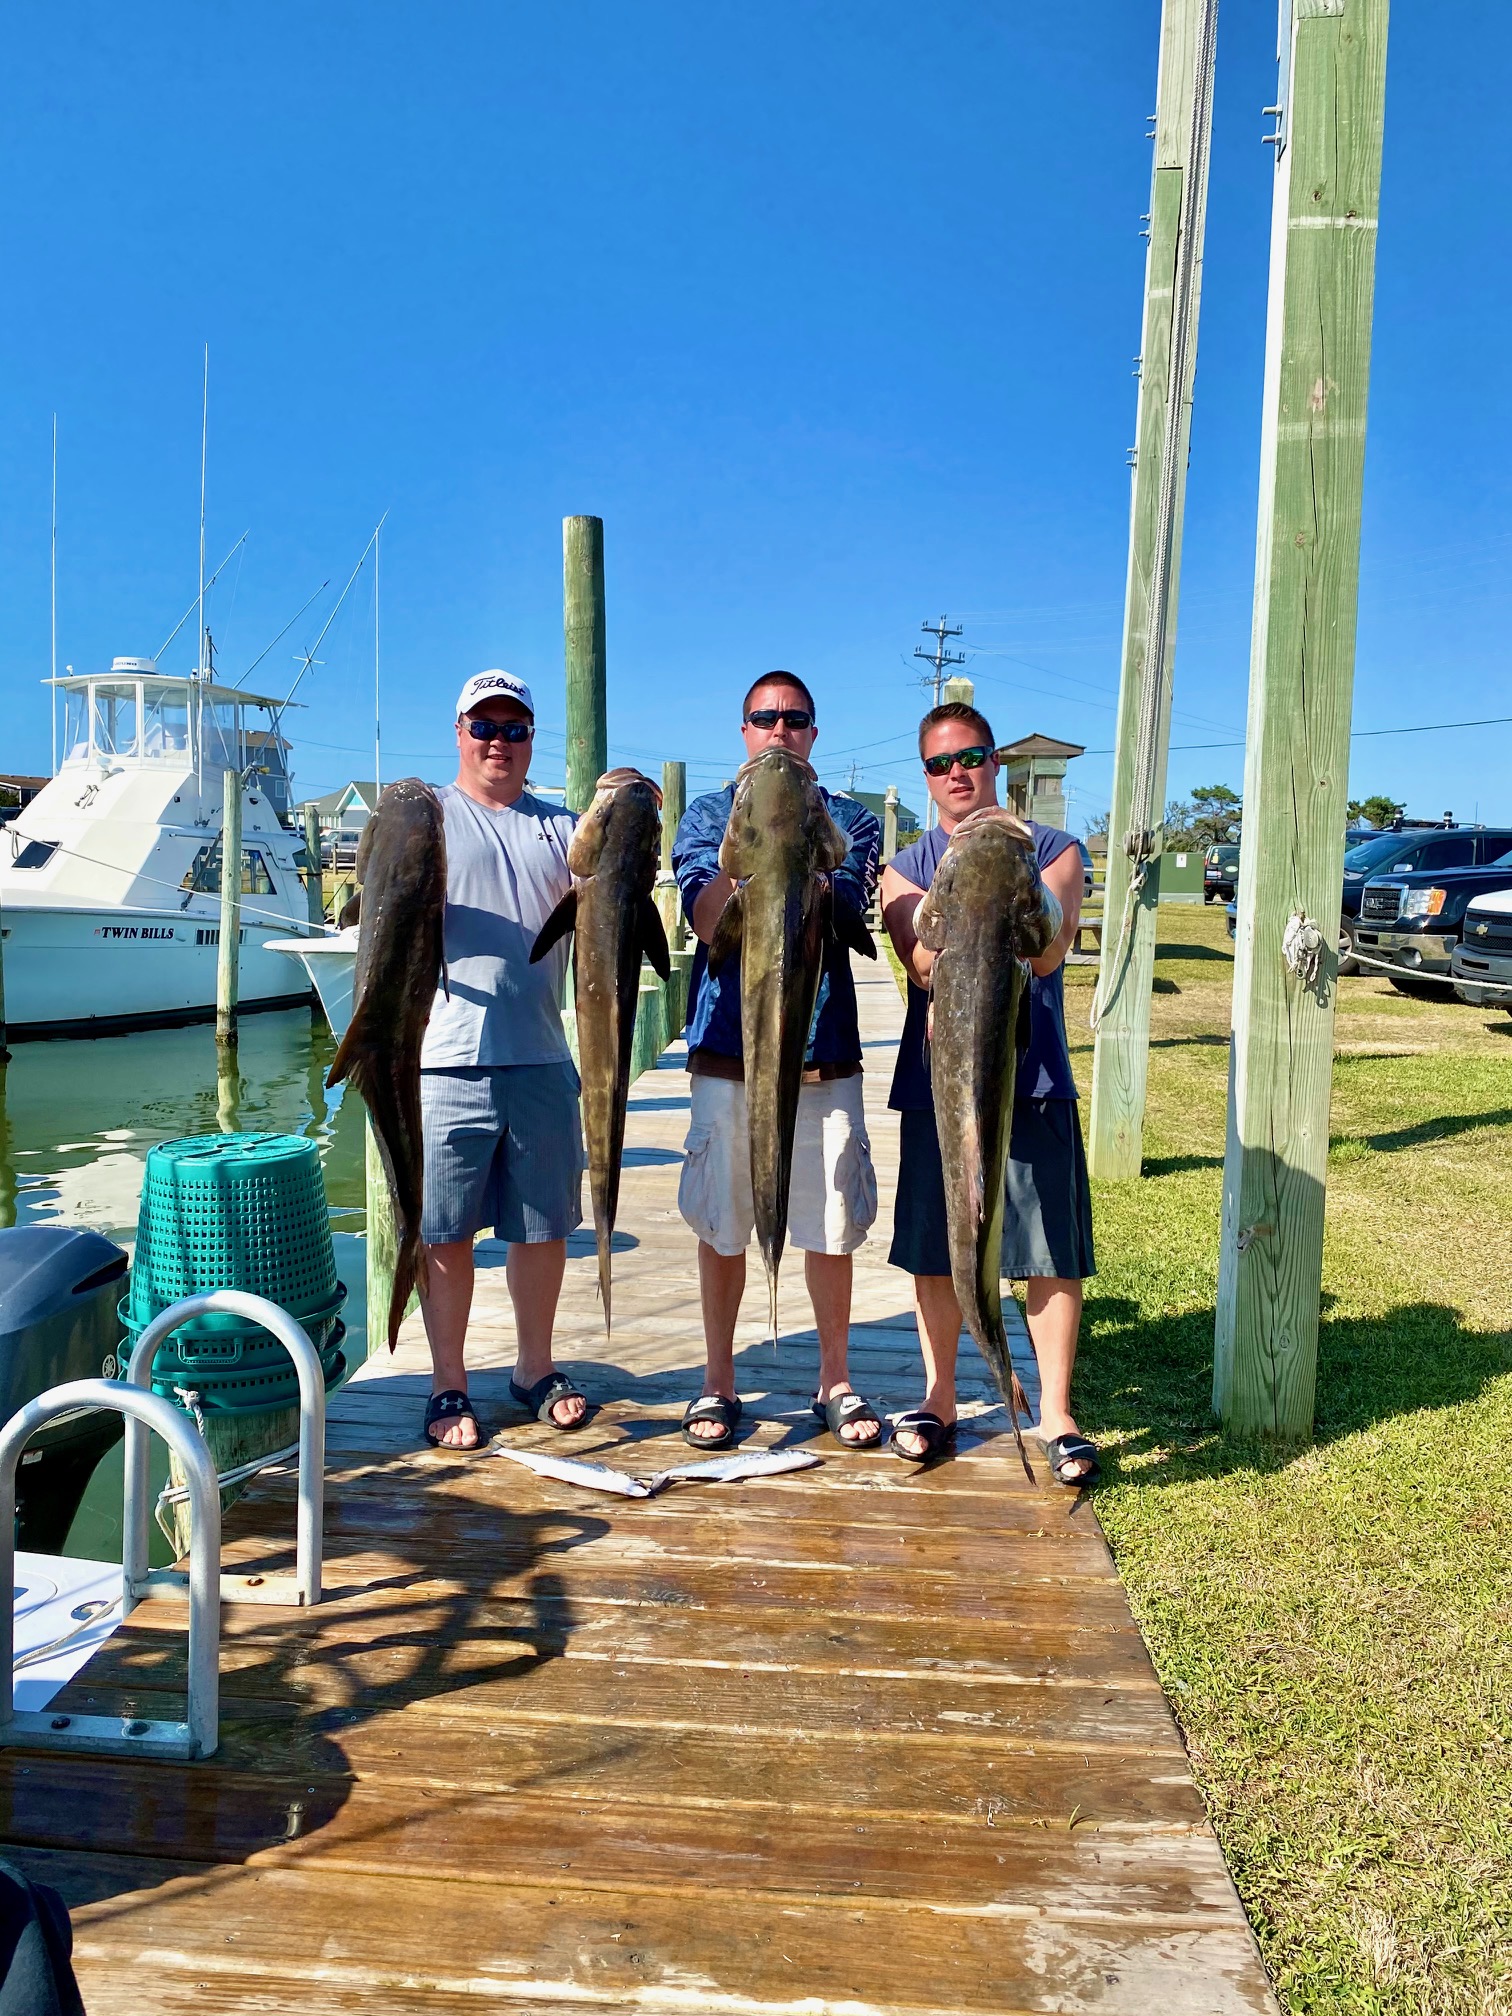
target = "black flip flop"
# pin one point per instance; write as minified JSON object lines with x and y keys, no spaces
{"x":544,"y":1395}
{"x":939,"y":1437}
{"x":445,"y":1408}
{"x":1063,"y":1449}
{"x":712,"y":1407}
{"x":841,"y":1410}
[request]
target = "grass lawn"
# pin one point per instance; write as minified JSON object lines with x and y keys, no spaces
{"x":1333,"y":1625}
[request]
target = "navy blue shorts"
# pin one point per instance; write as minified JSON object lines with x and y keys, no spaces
{"x":1047,"y":1221}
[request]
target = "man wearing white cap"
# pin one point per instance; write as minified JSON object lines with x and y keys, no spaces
{"x":499,"y":1092}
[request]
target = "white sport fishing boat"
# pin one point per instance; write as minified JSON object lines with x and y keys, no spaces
{"x":110,"y":877}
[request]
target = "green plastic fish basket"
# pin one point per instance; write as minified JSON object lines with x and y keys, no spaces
{"x":213,"y":1344}
{"x":241,"y":1211}
{"x":239,"y":1390}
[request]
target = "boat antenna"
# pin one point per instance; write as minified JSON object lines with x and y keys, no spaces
{"x":53,"y":688}
{"x":377,"y":732}
{"x":199,"y":642}
{"x":210,"y":582}
{"x":309,"y":656}
{"x":282,"y":634}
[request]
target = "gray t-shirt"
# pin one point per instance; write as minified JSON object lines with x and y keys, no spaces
{"x":506,"y":871}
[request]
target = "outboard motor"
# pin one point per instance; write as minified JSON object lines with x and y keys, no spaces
{"x":59,"y":1287}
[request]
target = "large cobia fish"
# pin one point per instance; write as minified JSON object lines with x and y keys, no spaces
{"x":401,"y":864}
{"x":780,"y":846}
{"x":985,"y":914}
{"x":613,"y":856}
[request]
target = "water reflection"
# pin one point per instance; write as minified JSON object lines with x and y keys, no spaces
{"x":77,"y":1118}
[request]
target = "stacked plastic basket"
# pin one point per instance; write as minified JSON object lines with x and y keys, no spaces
{"x":241,"y":1211}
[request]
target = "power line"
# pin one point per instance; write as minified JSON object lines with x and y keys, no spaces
{"x":939,"y":657}
{"x":1356,"y":735}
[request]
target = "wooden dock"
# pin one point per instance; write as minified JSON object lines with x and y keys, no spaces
{"x":848,"y":1741}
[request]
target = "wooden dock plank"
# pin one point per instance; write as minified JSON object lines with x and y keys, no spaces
{"x":853,"y":1740}
{"x":714,"y":1945}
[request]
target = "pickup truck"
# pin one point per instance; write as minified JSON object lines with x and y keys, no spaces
{"x":1482,"y":962}
{"x":1410,"y":922}
{"x":1401,"y":851}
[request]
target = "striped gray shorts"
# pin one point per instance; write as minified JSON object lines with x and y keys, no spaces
{"x":503,"y":1146}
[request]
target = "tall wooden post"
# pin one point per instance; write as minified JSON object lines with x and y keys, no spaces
{"x":314,"y":898}
{"x":587,"y":680}
{"x":674,"y":804}
{"x":230,"y":908}
{"x":1312,"y":455}
{"x":889,"y":823}
{"x":1168,"y":362}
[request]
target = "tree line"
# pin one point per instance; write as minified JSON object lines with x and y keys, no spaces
{"x":1212,"y":817}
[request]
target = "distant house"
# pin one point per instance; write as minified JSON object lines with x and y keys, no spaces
{"x":1034,"y":770}
{"x":16,"y":790}
{"x":909,"y":824}
{"x":345,"y":811}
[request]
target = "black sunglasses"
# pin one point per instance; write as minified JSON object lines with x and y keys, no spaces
{"x":767,"y":718}
{"x":495,"y":731}
{"x":969,"y":759}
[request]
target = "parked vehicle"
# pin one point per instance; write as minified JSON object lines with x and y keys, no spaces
{"x":339,"y":850}
{"x":1220,"y":872}
{"x":1482,"y":962}
{"x":1408,"y":850}
{"x":1410,"y":921}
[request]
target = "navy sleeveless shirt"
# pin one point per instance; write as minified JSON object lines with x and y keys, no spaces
{"x":1045,"y":1069}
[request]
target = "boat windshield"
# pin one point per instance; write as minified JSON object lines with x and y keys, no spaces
{"x":115,"y":719}
{"x":222,"y":736}
{"x":165,"y":722}
{"x":76,"y":725}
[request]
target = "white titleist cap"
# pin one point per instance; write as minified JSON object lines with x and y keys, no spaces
{"x":495,"y":685}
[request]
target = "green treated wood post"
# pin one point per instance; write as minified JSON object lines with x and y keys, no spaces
{"x":1168,"y":362}
{"x":314,"y":899}
{"x":587,"y":679}
{"x":230,"y":909}
{"x":668,"y":901}
{"x":1312,"y":457}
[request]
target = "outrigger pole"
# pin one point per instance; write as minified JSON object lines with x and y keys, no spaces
{"x":1296,"y":779}
{"x":1167,"y":365}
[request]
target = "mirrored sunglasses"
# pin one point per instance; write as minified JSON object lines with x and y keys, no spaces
{"x":969,"y":759}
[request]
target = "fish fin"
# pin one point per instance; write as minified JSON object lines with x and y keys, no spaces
{"x":351,"y":912}
{"x":1021,"y":1033}
{"x":653,"y":935}
{"x":929,"y":925}
{"x":445,"y":977}
{"x":727,"y":933}
{"x":1018,"y":1403}
{"x":347,"y":1048}
{"x":557,"y":925}
{"x":605,"y":1237}
{"x":849,"y":927}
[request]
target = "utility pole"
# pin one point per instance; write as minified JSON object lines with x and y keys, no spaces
{"x":1312,"y":460}
{"x":1167,"y":367}
{"x":939,"y":658}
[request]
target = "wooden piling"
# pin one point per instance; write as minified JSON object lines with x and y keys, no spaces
{"x":584,"y":636}
{"x":668,"y":900}
{"x":230,"y":909}
{"x":1312,"y":450}
{"x":1168,"y":361}
{"x":314,"y":895}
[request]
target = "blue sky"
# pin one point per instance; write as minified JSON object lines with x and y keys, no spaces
{"x":828,"y":311}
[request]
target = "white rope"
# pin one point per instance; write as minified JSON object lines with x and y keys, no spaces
{"x":1302,"y":947}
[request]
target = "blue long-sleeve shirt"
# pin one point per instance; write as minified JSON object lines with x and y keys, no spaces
{"x":714,"y":1004}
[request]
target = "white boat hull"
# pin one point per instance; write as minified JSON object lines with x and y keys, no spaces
{"x":78,"y":972}
{"x":329,"y":963}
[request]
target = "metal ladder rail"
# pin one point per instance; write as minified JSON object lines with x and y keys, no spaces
{"x":304,"y":1586}
{"x":42,"y":1729}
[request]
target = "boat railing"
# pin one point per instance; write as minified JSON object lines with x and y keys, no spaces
{"x":43,"y":1729}
{"x":304,"y":1586}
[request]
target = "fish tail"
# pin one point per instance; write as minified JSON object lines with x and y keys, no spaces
{"x":772,"y":1296}
{"x":605,"y":1238}
{"x":1019,"y":1404}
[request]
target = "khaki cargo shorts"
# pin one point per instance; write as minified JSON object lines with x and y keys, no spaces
{"x":833,"y":1199}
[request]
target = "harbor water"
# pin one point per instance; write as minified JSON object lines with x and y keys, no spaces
{"x":77,"y":1119}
